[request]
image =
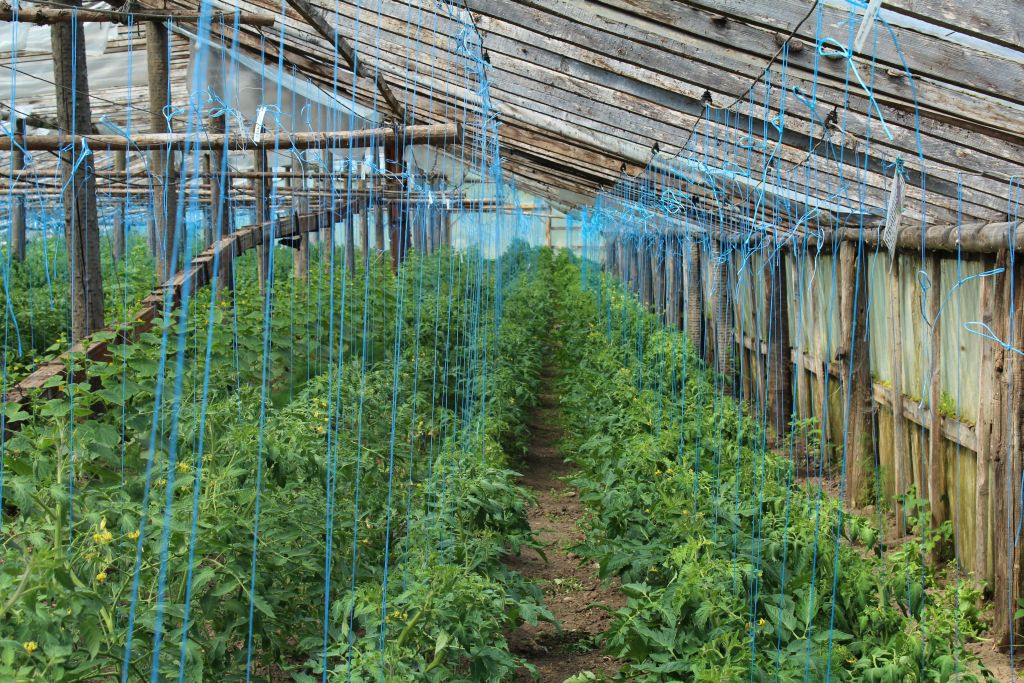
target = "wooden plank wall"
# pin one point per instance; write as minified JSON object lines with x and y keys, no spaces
{"x":974,"y":392}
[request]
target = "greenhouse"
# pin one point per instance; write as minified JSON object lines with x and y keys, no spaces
{"x":512,"y":340}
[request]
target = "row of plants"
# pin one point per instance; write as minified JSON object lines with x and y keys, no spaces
{"x":733,"y":569}
{"x":311,"y":485}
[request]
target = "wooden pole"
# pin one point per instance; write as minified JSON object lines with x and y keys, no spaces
{"x":898,"y":419}
{"x":779,"y":360}
{"x":856,"y":369}
{"x":936,"y":471}
{"x":18,"y":234}
{"x":220,"y":205}
{"x":724,"y":337}
{"x":165,"y":199}
{"x":208,"y":229}
{"x":117,"y":231}
{"x":260,"y":186}
{"x":300,"y":259}
{"x":238,"y":142}
{"x":49,"y":16}
{"x":364,"y":236}
{"x":378,"y":226}
{"x":1004,"y":489}
{"x":81,"y":223}
{"x":332,"y":192}
{"x":673,"y":283}
{"x":394,"y":153}
{"x":694,"y":296}
{"x":1015,"y":450}
{"x":350,"y":240}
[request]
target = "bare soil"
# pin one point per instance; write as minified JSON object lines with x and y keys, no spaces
{"x":572,"y":590}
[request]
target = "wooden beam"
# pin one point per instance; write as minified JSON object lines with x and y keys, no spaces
{"x":313,"y":16}
{"x":49,"y":16}
{"x":415,"y":135}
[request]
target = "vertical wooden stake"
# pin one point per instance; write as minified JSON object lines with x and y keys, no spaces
{"x":936,"y":471}
{"x":350,"y":238}
{"x":779,"y":360}
{"x":673,"y":283}
{"x":18,"y":235}
{"x":220,"y":206}
{"x":547,"y":233}
{"x":1004,"y":487}
{"x":208,"y":228}
{"x":118,"y":237}
{"x":898,"y":419}
{"x":81,"y":223}
{"x":162,"y":164}
{"x":856,"y":369}
{"x":724,"y":337}
{"x":378,"y":226}
{"x":260,"y":191}
{"x":694,"y":297}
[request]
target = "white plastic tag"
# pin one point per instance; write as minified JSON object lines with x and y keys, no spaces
{"x":866,"y":24}
{"x":257,"y":132}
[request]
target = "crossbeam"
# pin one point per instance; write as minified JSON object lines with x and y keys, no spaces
{"x":446,"y":133}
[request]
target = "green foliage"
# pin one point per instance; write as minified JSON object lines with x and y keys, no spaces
{"x":733,"y":571}
{"x":297,"y":417}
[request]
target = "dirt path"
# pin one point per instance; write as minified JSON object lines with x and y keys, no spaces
{"x":571,"y":591}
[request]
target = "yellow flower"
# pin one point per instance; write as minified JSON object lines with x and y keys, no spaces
{"x":760,"y":622}
{"x":133,"y":535}
{"x":183,"y":467}
{"x":851,"y":660}
{"x":101,"y":577}
{"x":657,"y":473}
{"x":31,"y":646}
{"x":161,"y":482}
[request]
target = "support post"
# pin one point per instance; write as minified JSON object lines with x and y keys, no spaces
{"x":694,"y":296}
{"x":260,"y":187}
{"x":162,"y":161}
{"x":18,"y":235}
{"x":350,"y":240}
{"x":208,"y":230}
{"x":724,"y":336}
{"x":220,"y":205}
{"x":936,"y":471}
{"x":378,"y":226}
{"x":779,"y":360}
{"x":81,"y":223}
{"x":857,"y":394}
{"x":398,"y":220}
{"x":118,"y":236}
{"x":364,"y":235}
{"x":899,"y":429}
{"x":300,"y":256}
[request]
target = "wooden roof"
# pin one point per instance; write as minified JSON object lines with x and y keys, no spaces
{"x":582,"y":87}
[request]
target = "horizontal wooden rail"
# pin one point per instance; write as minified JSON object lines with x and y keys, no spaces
{"x":409,"y":135}
{"x":53,"y":15}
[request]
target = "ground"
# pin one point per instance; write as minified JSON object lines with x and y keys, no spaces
{"x":572,"y":590}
